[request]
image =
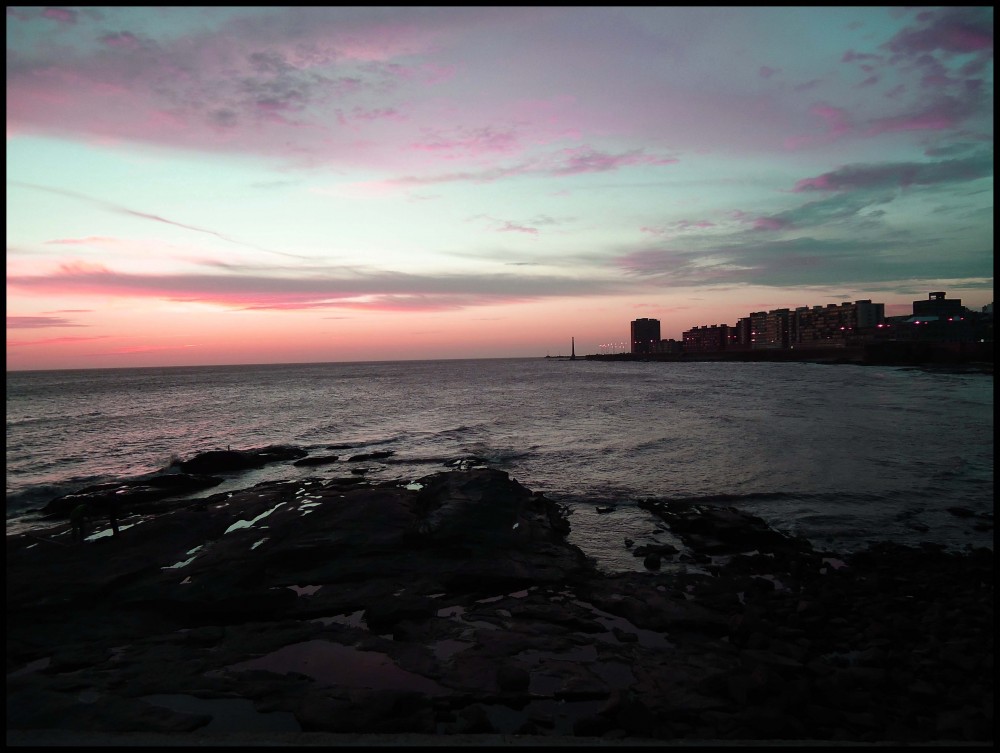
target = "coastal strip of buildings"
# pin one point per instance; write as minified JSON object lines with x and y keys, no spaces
{"x":860,"y":327}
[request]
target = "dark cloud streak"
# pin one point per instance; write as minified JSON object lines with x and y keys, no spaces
{"x":389,"y":291}
{"x":900,"y":174}
{"x":39,"y":322}
{"x":112,"y":207}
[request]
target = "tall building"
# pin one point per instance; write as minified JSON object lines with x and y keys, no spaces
{"x":645,"y":336}
{"x":937,"y":305}
{"x":742,"y":332}
{"x":870,"y":315}
{"x":770,"y":330}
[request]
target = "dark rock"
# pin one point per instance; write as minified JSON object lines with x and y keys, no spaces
{"x":371,"y":456}
{"x":370,"y":608}
{"x":667,"y":550}
{"x":592,"y":726}
{"x":223,"y":461}
{"x":512,"y":679}
{"x":472,"y":720}
{"x":385,"y":614}
{"x":130,"y":494}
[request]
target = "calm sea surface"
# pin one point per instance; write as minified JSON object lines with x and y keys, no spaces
{"x":841,"y":454}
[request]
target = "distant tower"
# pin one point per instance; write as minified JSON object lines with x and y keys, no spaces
{"x":572,"y":352}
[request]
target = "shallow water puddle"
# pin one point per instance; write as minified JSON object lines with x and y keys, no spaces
{"x":305,"y":590}
{"x":447,"y":648}
{"x":228,"y":714}
{"x":184,"y":563}
{"x":646,"y":638}
{"x":34,"y":666}
{"x":249,"y":523}
{"x":559,"y":714}
{"x":338,"y":665}
{"x":110,"y":532}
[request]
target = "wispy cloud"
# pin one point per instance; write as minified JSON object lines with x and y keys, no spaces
{"x":112,"y":207}
{"x":795,"y":262}
{"x":375,"y":291}
{"x":54,"y":341}
{"x":88,"y":241}
{"x":63,"y":15}
{"x":133,"y":349}
{"x":39,"y":322}
{"x":951,"y":30}
{"x":900,"y":174}
{"x":564,"y":162}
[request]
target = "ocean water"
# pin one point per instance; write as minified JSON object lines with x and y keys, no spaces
{"x":841,"y":454}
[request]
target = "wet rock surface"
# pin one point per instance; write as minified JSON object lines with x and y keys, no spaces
{"x":456,"y":606}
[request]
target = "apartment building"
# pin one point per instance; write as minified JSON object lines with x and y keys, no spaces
{"x":645,"y":336}
{"x":708,"y":339}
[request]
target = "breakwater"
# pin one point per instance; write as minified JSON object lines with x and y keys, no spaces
{"x":874,"y":354}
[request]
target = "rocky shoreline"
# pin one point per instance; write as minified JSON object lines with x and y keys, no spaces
{"x":455,"y":606}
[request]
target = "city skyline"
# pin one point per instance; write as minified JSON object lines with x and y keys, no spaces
{"x":193,"y":186}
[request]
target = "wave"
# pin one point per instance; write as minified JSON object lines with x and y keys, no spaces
{"x":499,"y":455}
{"x":455,"y":432}
{"x":38,"y":495}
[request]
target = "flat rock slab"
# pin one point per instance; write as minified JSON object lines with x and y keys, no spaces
{"x":455,"y":606}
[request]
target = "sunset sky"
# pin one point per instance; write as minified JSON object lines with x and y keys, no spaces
{"x":275,"y":185}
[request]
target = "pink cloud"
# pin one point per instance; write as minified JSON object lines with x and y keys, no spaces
{"x":471,"y":141}
{"x":381,"y":113}
{"x":242,"y":87}
{"x":946,"y":112}
{"x":39,"y":322}
{"x":838,"y":124}
{"x":426,"y":73}
{"x":53,"y":341}
{"x":652,"y":230}
{"x":836,"y":119}
{"x":583,"y":159}
{"x":819,"y":183}
{"x":63,"y":15}
{"x":384,"y":291}
{"x":572,"y":161}
{"x":233,"y":88}
{"x":123,"y":40}
{"x":937,"y":118}
{"x":510,"y":227}
{"x":88,"y":241}
{"x":770,"y":223}
{"x":767,"y":71}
